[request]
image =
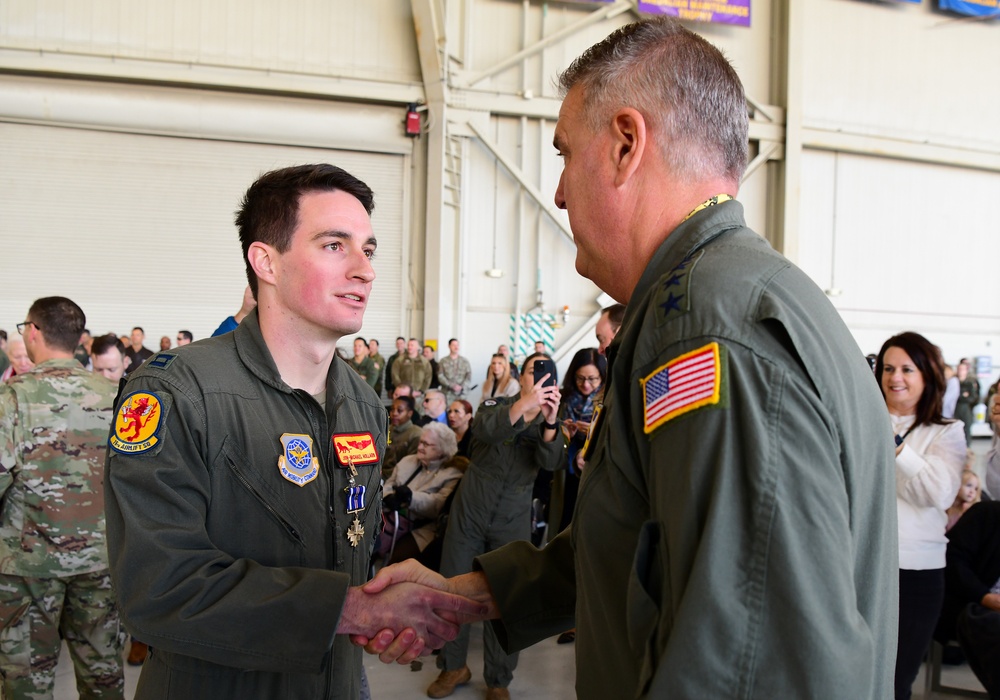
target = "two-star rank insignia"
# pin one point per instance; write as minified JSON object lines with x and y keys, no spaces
{"x":673,"y":298}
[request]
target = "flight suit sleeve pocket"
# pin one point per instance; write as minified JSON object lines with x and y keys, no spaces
{"x":648,"y":600}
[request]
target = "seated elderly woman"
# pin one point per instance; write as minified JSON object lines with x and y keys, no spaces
{"x":418,"y":489}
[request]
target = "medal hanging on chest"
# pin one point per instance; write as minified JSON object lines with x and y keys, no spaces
{"x":355,"y":504}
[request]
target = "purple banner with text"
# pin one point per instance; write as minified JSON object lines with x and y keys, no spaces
{"x":719,"y":11}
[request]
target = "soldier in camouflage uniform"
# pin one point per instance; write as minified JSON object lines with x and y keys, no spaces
{"x":54,"y":577}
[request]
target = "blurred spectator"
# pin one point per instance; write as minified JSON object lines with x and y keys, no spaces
{"x":971,"y":611}
{"x":428,"y":353}
{"x":55,"y":583}
{"x":184,"y":338}
{"x":969,"y":494}
{"x":454,"y":373}
{"x":164,"y":343}
{"x":390,"y":385}
{"x":460,"y":420}
{"x":608,"y":325}
{"x":498,"y":380}
{"x":435,"y":407}
{"x":403,"y":434}
{"x":379,"y":363}
{"x":968,"y":397}
{"x":505,"y":351}
{"x":136,"y":352}
{"x":362,"y":364}
{"x":413,"y":369}
{"x":108,"y":357}
{"x":418,"y":488}
{"x":951,"y":391}
{"x":580,"y":391}
{"x":20,"y":363}
{"x":82,"y":352}
{"x":930,"y":456}
{"x":230,"y":323}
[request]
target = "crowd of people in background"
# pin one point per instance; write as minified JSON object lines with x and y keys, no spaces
{"x":445,"y":431}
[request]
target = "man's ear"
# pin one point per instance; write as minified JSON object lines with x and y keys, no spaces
{"x":628,"y":130}
{"x":262,"y":259}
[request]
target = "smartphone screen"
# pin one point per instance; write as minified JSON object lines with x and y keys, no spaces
{"x":542,"y":367}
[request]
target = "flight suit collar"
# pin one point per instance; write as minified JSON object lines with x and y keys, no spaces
{"x":256,"y":357}
{"x":688,"y":237}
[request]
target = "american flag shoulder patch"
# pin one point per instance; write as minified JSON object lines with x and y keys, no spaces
{"x":685,"y":383}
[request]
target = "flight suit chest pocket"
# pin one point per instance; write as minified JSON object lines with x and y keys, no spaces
{"x":250,"y":514}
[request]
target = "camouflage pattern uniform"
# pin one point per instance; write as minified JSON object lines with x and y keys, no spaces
{"x":54,"y":577}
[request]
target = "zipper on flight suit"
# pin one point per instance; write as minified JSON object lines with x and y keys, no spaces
{"x":309,"y":404}
{"x":289,"y":528}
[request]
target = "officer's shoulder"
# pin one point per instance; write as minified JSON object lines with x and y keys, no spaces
{"x":205,"y":362}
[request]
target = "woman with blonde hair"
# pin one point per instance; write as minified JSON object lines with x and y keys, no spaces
{"x":498,"y":380}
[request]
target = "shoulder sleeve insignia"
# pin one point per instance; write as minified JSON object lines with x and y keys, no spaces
{"x":161,"y":360}
{"x":297,"y":463}
{"x":489,"y":402}
{"x":137,"y":423}
{"x":673,"y":298}
{"x":355,"y":448}
{"x":688,"y":382}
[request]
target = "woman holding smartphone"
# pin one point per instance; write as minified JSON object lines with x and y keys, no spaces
{"x":512,"y":438}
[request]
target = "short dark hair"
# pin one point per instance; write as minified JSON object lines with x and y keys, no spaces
{"x":3,"y":334}
{"x":269,"y":210}
{"x":104,"y":343}
{"x":399,"y":337}
{"x":60,"y":320}
{"x":927,"y":358}
{"x":139,"y":328}
{"x":616,"y":314}
{"x":373,"y":340}
{"x":408,"y":400}
{"x":452,"y":340}
{"x":361,"y":339}
{"x":186,"y":335}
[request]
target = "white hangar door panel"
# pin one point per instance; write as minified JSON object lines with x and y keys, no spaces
{"x":138,"y":229}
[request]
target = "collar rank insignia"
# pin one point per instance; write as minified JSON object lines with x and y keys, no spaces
{"x":685,"y":383}
{"x":673,"y":298}
{"x":137,"y":423}
{"x":355,"y":448}
{"x":298,"y":464}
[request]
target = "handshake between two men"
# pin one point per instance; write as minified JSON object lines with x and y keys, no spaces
{"x":408,"y":609}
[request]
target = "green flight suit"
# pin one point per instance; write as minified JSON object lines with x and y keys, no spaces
{"x":745,"y":548}
{"x":229,"y":548}
{"x":493,"y":507}
{"x":365,"y":369}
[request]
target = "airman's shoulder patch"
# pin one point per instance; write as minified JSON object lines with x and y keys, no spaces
{"x":138,"y":422}
{"x":691,"y":381}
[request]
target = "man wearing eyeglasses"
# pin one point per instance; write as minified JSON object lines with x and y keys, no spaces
{"x":54,"y":577}
{"x":435,"y":407}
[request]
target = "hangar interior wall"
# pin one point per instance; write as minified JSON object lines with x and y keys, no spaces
{"x":872,"y":122}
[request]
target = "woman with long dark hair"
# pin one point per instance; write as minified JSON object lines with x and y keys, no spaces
{"x":930,"y":455}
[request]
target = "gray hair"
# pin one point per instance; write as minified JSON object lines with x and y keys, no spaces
{"x":681,"y":84}
{"x":446,"y":439}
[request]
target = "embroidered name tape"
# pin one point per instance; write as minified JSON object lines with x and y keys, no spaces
{"x":355,"y":448}
{"x":688,"y":382}
{"x":137,"y":423}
